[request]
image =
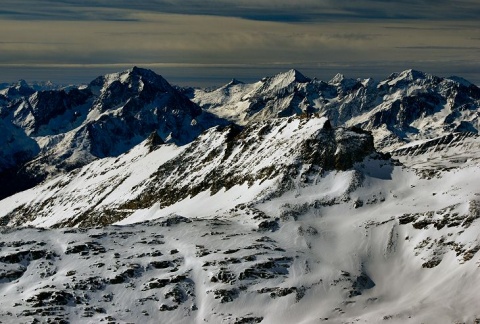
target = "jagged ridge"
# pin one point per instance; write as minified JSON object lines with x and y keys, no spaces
{"x":406,"y":106}
{"x":219,"y":159}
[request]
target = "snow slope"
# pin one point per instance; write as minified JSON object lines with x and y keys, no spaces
{"x":386,"y":246}
{"x":229,"y":164}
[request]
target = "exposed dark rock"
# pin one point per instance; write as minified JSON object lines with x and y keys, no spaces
{"x":176,"y":294}
{"x":86,"y":248}
{"x":361,"y":283}
{"x":267,"y":270}
{"x":277,"y":291}
{"x":161,"y":264}
{"x":266,"y":225}
{"x":431,"y":263}
{"x":164,"y":308}
{"x":27,"y":256}
{"x":8,"y":275}
{"x":248,"y":320}
{"x":226,"y":295}
{"x":51,"y":298}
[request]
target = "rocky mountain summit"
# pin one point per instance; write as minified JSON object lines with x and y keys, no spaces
{"x":286,"y":200}
{"x":106,"y":118}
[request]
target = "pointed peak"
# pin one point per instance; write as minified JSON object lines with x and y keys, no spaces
{"x":295,"y":75}
{"x":141,"y":72}
{"x":412,"y":74}
{"x":338,"y":78}
{"x":284,"y":79}
{"x":22,"y":83}
{"x":406,"y":76}
{"x":133,"y":73}
{"x":299,"y":77}
{"x":19,"y":88}
{"x":133,"y":77}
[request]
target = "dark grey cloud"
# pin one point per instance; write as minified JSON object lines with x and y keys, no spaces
{"x":442,"y":48}
{"x":263,"y":10}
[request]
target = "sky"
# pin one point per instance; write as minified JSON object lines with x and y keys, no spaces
{"x":207,"y":43}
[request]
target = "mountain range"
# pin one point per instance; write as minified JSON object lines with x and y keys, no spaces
{"x":285,"y":200}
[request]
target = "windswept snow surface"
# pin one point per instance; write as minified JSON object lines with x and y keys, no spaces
{"x":107,"y":182}
{"x":324,"y":260}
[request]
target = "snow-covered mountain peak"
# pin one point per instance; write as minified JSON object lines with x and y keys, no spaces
{"x":285,"y":78}
{"x":282,"y":81}
{"x":113,"y":114}
{"x":412,"y":74}
{"x":21,"y":84}
{"x":337,"y":79}
{"x":17,"y":89}
{"x":393,"y":108}
{"x":408,"y":77}
{"x":242,"y":103}
{"x":345,"y":86}
{"x":134,"y":79}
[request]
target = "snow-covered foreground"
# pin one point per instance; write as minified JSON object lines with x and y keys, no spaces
{"x":284,"y":221}
{"x":327,"y":262}
{"x":376,"y":243}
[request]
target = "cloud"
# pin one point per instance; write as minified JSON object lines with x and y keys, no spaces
{"x":442,"y":48}
{"x":165,"y":38}
{"x":262,"y":10}
{"x":224,"y":33}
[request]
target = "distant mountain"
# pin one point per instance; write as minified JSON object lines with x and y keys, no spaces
{"x":106,"y":118}
{"x":406,"y":106}
{"x":282,"y":95}
{"x":35,"y":86}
